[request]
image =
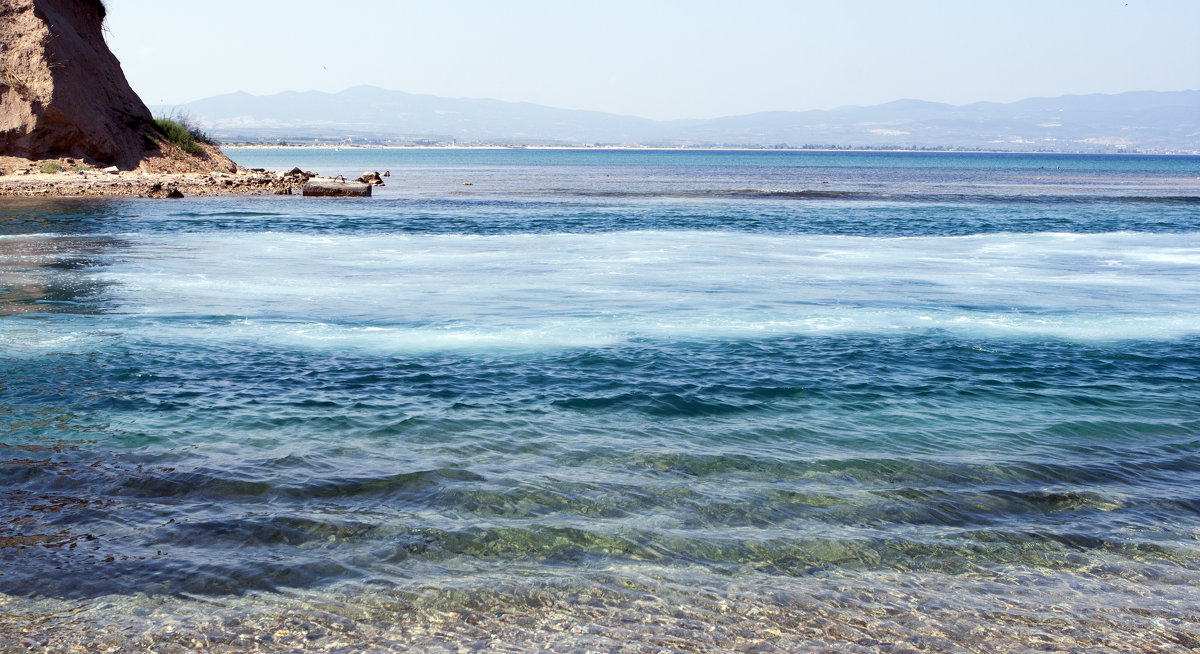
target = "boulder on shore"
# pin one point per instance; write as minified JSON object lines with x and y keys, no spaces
{"x":371,"y":177}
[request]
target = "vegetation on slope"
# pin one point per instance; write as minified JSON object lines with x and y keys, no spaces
{"x":182,"y":133}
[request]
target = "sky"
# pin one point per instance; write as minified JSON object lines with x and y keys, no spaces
{"x":661,"y":59}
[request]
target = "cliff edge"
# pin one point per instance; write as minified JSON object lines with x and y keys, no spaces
{"x":63,"y":94}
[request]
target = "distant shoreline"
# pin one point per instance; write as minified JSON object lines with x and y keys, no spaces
{"x":584,"y":148}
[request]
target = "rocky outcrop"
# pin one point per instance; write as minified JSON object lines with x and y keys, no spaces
{"x":371,"y":177}
{"x":63,"y":94}
{"x":83,"y":181}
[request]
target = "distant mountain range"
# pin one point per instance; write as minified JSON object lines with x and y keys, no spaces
{"x":1147,"y":121}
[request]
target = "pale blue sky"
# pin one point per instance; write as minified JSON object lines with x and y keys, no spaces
{"x":661,"y":58}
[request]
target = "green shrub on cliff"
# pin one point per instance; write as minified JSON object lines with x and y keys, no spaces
{"x":183,"y":134}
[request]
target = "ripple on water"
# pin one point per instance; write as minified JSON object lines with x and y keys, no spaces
{"x":255,"y":462}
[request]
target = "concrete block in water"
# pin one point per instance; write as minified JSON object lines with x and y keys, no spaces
{"x":332,"y":188}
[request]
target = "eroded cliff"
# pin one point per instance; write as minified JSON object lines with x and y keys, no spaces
{"x":63,"y":93}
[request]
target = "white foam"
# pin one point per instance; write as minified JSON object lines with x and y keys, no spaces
{"x":534,"y":335}
{"x":33,"y":336}
{"x":410,"y":292}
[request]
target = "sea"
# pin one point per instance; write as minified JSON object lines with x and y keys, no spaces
{"x":610,"y":401}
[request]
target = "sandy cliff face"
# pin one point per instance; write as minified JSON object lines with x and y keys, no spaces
{"x":63,"y":94}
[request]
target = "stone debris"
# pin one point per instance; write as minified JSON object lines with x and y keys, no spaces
{"x":298,"y":176}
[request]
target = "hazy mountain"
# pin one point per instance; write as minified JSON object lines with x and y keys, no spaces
{"x":1157,"y":121}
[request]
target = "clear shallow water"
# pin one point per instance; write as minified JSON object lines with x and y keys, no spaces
{"x":611,"y":400}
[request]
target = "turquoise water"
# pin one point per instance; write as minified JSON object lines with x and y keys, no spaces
{"x":584,"y":400}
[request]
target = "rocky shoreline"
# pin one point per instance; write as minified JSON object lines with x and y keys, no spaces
{"x":90,"y":182}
